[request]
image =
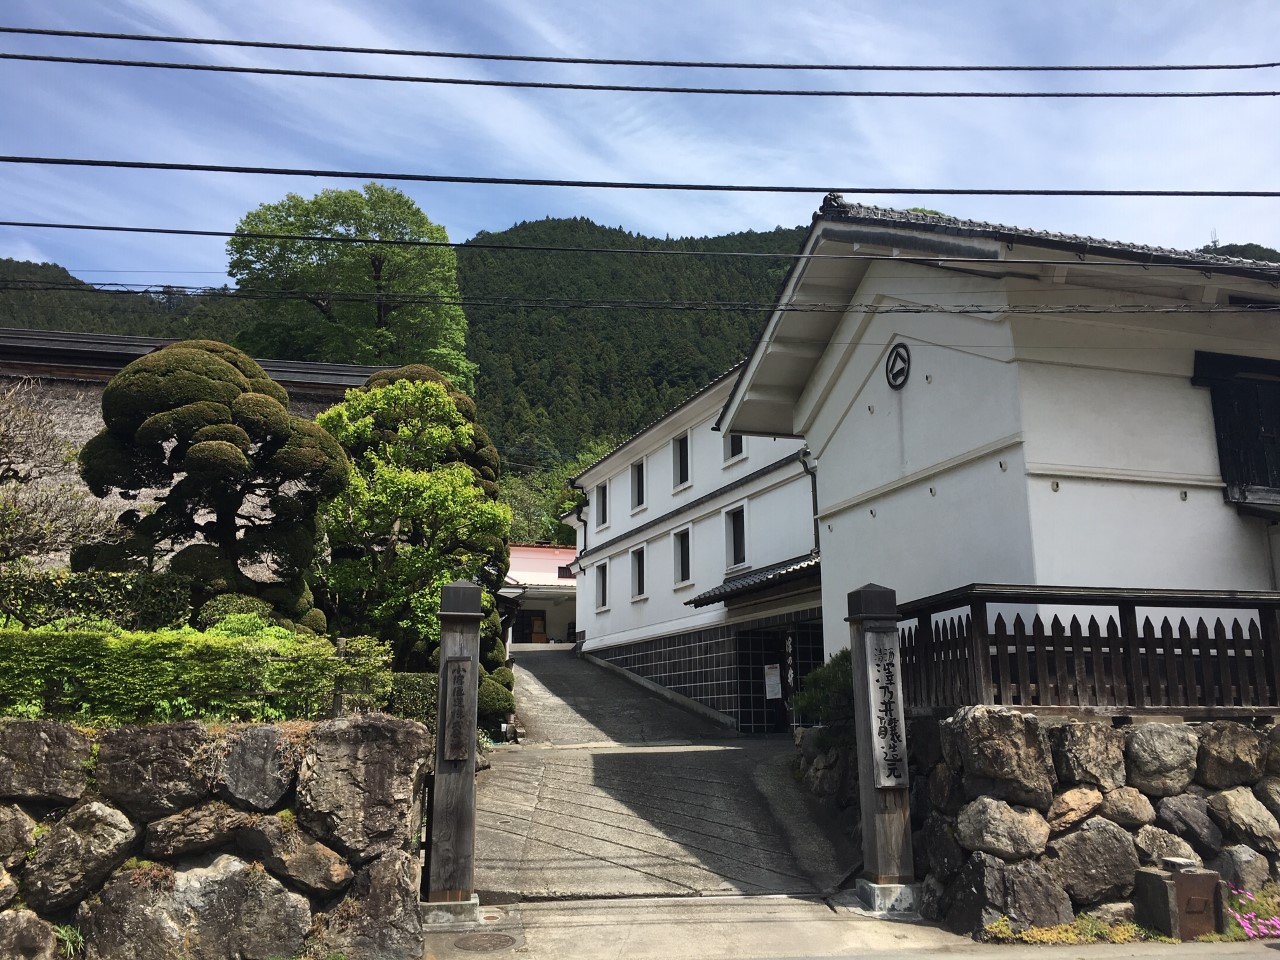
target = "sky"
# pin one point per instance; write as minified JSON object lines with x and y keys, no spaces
{"x":105,"y":112}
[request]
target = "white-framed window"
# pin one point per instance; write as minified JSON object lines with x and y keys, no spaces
{"x":680,"y":475}
{"x":637,"y":574}
{"x":602,"y":586}
{"x":682,"y":555}
{"x":735,"y":447}
{"x":601,"y":499}
{"x":735,"y":537}
{"x":637,"y":485}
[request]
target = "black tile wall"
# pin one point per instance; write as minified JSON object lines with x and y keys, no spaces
{"x":723,"y":667}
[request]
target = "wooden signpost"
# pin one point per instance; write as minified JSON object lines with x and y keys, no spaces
{"x":451,"y":871}
{"x":882,"y":744}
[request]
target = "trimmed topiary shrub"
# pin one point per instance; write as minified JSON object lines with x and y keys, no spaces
{"x":414,"y":697}
{"x":224,"y":605}
{"x":493,"y":704}
{"x":132,"y":601}
{"x":504,"y":676}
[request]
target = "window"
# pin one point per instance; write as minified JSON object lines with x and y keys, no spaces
{"x":602,"y":505}
{"x":735,"y":537}
{"x":734,"y":447}
{"x":1245,"y":392}
{"x":637,"y":485}
{"x":602,"y":586}
{"x":680,"y":460}
{"x":680,"y":542}
{"x":565,"y":572}
{"x":637,"y":573}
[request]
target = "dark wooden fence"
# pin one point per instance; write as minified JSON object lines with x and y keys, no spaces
{"x":1104,"y":660}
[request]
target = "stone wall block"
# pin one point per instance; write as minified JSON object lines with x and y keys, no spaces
{"x":361,"y":782}
{"x":1273,"y":750}
{"x":1093,"y":864}
{"x":1242,"y":867}
{"x":43,"y":761}
{"x":17,"y":835}
{"x":380,"y":916}
{"x":1160,"y":758}
{"x":1267,"y":790}
{"x":290,"y":855}
{"x":1154,"y":844}
{"x":1072,"y":806}
{"x":1003,"y":754}
{"x":24,"y":936}
{"x":1188,"y":817}
{"x":1241,"y":816}
{"x":194,"y":830}
{"x":946,"y":792}
{"x":257,"y":767}
{"x":155,"y":771}
{"x":76,"y":856}
{"x":1089,"y":753}
{"x":1230,"y":755}
{"x":941,"y":847}
{"x":211,"y":910}
{"x":8,"y":889}
{"x":994,"y":827}
{"x":1128,"y":807}
{"x":988,"y":888}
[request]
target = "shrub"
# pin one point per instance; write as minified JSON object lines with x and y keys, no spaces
{"x":504,"y":676}
{"x":493,"y":704}
{"x":242,"y":670}
{"x":414,"y":696}
{"x":225,"y":604}
{"x":826,"y":694}
{"x":132,"y":601}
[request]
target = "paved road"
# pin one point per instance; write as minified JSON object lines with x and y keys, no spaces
{"x":616,"y":793}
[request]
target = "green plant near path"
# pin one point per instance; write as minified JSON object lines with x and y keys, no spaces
{"x":242,"y":670}
{"x":70,"y":939}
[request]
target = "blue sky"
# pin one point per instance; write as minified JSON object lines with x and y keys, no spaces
{"x":117,"y":113}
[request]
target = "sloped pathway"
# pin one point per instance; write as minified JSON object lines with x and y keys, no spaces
{"x":616,"y":793}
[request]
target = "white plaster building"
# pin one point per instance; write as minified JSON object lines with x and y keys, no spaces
{"x":542,"y":588}
{"x":1070,"y":412}
{"x":698,"y":560}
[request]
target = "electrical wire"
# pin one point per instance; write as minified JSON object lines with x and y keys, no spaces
{"x":634,"y":251}
{"x":627,"y":185}
{"x":643,"y":88}
{"x":614,"y":62}
{"x":586,"y":303}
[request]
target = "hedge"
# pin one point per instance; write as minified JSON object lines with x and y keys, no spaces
{"x":132,"y":601}
{"x":242,"y":670}
{"x":414,"y":697}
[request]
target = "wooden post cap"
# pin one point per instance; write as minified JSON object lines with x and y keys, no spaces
{"x":461,"y":599}
{"x":872,"y":602}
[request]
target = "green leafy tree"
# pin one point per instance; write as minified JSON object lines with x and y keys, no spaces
{"x":539,"y":499}
{"x":357,"y":302}
{"x":421,"y":512}
{"x":238,"y":480}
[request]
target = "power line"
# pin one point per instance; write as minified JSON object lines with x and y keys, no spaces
{"x":549,"y":248}
{"x":644,"y":88}
{"x":613,"y":62}
{"x":627,"y":185}
{"x":580,"y":303}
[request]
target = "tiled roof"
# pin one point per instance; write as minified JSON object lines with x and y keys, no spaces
{"x":764,"y":577}
{"x":678,"y":407}
{"x":835,"y":208}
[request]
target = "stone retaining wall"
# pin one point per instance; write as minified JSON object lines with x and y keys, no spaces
{"x":181,"y":840}
{"x":1039,"y":822}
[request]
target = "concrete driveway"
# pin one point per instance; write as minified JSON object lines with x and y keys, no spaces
{"x":616,"y":793}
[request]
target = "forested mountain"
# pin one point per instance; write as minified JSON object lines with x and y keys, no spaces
{"x":554,"y":376}
{"x":44,"y":296}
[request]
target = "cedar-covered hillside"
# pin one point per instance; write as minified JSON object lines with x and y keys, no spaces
{"x":44,"y":296}
{"x":552,"y":377}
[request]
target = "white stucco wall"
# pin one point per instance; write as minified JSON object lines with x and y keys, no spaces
{"x":779,"y":524}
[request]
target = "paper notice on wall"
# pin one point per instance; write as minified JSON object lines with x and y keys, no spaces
{"x":772,"y":681}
